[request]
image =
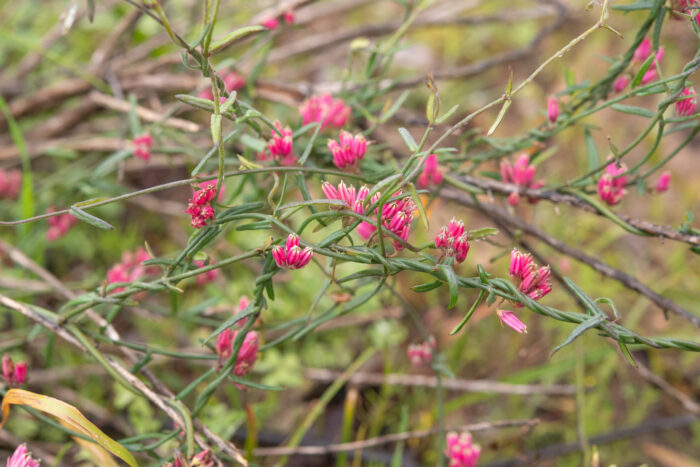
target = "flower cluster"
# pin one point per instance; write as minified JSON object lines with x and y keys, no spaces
{"x":206,"y":277}
{"x":460,"y":450}
{"x":201,"y":459}
{"x":641,"y":53}
{"x":348,"y":151}
{"x":431,"y":173}
{"x":279,"y":147}
{"x":130,"y":268}
{"x":522,"y":174}
{"x":142,"y":146}
{"x":684,"y":6}
{"x":422,"y":353}
{"x":453,"y":241}
{"x":552,"y":109}
{"x":686,"y":107}
{"x":611,"y":186}
{"x":10,"y":183}
{"x":354,"y":199}
{"x":199,"y":206}
{"x":247,"y":354}
{"x":232,"y":82}
{"x":396,"y":216}
{"x":15,"y":375}
{"x":59,"y":225}
{"x":663,"y":182}
{"x":325,"y":110}
{"x":534,"y":281}
{"x":291,"y":256}
{"x":22,"y":458}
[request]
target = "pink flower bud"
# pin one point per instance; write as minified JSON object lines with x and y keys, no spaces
{"x":514,"y":198}
{"x":621,"y":83}
{"x":142,"y":146}
{"x":289,"y":17}
{"x":271,"y":23}
{"x":329,"y":191}
{"x":686,"y":107}
{"x":509,"y":319}
{"x":280,"y":256}
{"x":21,"y":373}
{"x":643,"y":50}
{"x":461,"y":248}
{"x":552,"y":109}
{"x":224,"y":344}
{"x":455,"y":228}
{"x":8,"y":368}
{"x":292,"y":241}
{"x":247,"y":354}
{"x":348,"y":151}
{"x":611,"y":186}
{"x":663,"y":182}
{"x":325,"y":110}
{"x":441,"y":238}
{"x":203,"y":459}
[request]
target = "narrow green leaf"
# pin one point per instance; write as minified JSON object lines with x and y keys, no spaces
{"x":637,"y":80}
{"x":500,"y":116}
{"x":452,"y":283}
{"x":591,"y":150}
{"x":394,"y":107}
{"x":627,"y":354}
{"x":482,"y":233}
{"x":427,"y":287}
{"x":633,"y":110}
{"x":447,"y":114}
{"x":234,"y":36}
{"x":591,"y":322}
{"x":408,"y":139}
{"x":90,"y":219}
{"x":419,"y":205}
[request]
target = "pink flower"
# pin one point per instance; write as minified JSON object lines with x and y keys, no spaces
{"x":130,"y":268}
{"x":534,"y":281}
{"x":453,"y":241}
{"x":8,"y":368}
{"x":521,"y":174}
{"x":10,"y":183}
{"x":142,"y":146}
{"x":348,"y":151}
{"x":224,"y":344}
{"x":353,"y":199}
{"x":611,"y":186}
{"x":271,"y":23}
{"x":202,"y":459}
{"x":280,"y":145}
{"x":59,"y":225}
{"x":643,"y":50}
{"x":396,"y":217}
{"x":509,"y":319}
{"x":22,"y":458}
{"x":199,"y":206}
{"x":291,"y":256}
{"x":460,"y":450}
{"x":325,"y":110}
{"x":686,"y":107}
{"x":552,"y":109}
{"x":422,"y":353}
{"x":289,"y":17}
{"x":247,"y":354}
{"x":21,"y":373}
{"x":663,"y":182}
{"x":431,"y":173}
{"x":621,"y":83}
{"x":209,"y":276}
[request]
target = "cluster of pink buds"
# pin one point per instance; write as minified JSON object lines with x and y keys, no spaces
{"x":10,"y":183}
{"x":453,"y":241}
{"x":348,"y":151}
{"x":279,"y":147}
{"x":552,"y":109}
{"x":199,"y":206}
{"x":663,"y":182}
{"x":291,"y":256}
{"x":522,"y":174}
{"x":534,"y":281}
{"x":130,"y":268}
{"x":611,"y":186}
{"x":431,"y":174}
{"x":59,"y":225}
{"x":22,"y":458}
{"x":325,"y":110}
{"x":396,"y":216}
{"x":354,"y":199}
{"x":247,"y":354}
{"x":460,"y":450}
{"x":203,"y":459}
{"x":642,"y":53}
{"x":420,"y":354}
{"x":686,"y":107}
{"x":142,"y":146}
{"x":206,"y":277}
{"x":232,"y":82}
{"x":15,"y":375}
{"x":273,"y":23}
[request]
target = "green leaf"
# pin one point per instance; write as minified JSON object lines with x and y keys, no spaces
{"x":253,"y":143}
{"x":419,"y":205}
{"x":634,"y":110}
{"x":478,"y":234}
{"x":234,"y":36}
{"x":591,"y":322}
{"x":469,"y":314}
{"x":427,"y":287}
{"x":394,"y":107}
{"x":90,"y":219}
{"x":500,"y":116}
{"x":452,"y":284}
{"x":447,"y":114}
{"x":636,"y":81}
{"x":408,"y":139}
{"x":640,"y":5}
{"x":249,"y":310}
{"x":254,"y":385}
{"x":627,"y":354}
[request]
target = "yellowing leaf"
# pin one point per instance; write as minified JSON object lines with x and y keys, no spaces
{"x":68,"y":416}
